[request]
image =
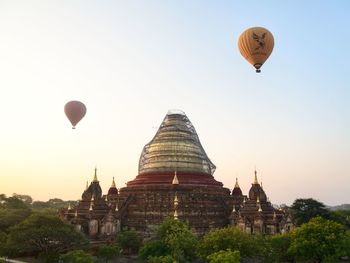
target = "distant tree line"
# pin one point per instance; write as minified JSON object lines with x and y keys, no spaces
{"x":34,"y":229}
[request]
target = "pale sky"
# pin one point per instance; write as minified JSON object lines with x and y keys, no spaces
{"x":132,"y":61}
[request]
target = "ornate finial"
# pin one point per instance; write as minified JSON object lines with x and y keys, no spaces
{"x":116,"y":207}
{"x":258,"y":199}
{"x":113,"y":184}
{"x":176,"y":200}
{"x":255,"y":177}
{"x":95,"y":176}
{"x":176,"y":203}
{"x":175,"y":180}
{"x":92,"y":198}
{"x":176,"y":216}
{"x":87,"y":185}
{"x":259,"y":210}
{"x":90,"y":208}
{"x":69,"y":207}
{"x":236,"y":185}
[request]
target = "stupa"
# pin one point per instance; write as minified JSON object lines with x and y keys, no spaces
{"x":172,"y":164}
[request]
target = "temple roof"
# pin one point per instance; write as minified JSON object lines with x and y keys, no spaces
{"x":175,"y":147}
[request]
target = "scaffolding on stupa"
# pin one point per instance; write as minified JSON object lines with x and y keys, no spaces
{"x":175,"y":147}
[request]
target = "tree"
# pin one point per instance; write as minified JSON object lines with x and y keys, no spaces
{"x":179,"y":239}
{"x":305,"y":209}
{"x":154,"y":248}
{"x":12,"y":211}
{"x":224,"y":256}
{"x":319,"y":240}
{"x":129,"y":241}
{"x":174,"y":242}
{"x":229,"y":238}
{"x":276,"y":249}
{"x":108,"y":252}
{"x":77,"y":256}
{"x":27,"y":199}
{"x":341,"y":217}
{"x":43,"y":234}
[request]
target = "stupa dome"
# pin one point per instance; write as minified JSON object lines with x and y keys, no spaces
{"x":175,"y":147}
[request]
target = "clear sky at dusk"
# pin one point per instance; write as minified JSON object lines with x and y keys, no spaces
{"x":132,"y":61}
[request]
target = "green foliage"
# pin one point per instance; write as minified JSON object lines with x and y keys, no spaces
{"x":306,"y":209}
{"x":341,"y":217}
{"x":276,"y":249}
{"x":155,"y":248}
{"x":319,"y":240}
{"x":224,"y":256}
{"x":161,"y":259}
{"x":229,"y":238}
{"x":77,"y":256}
{"x":108,"y":252}
{"x":179,"y":239}
{"x":129,"y":241}
{"x":43,"y":234}
{"x":12,"y":211}
{"x":53,"y":203}
{"x":174,"y":242}
{"x":49,"y":257}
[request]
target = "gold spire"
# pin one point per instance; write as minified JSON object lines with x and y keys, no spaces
{"x":255,"y":178}
{"x":113,"y":184}
{"x":176,"y":203}
{"x":176,"y":216}
{"x":236,"y":185}
{"x":234,"y":209}
{"x":87,"y":185}
{"x":95,"y":176}
{"x":175,"y":180}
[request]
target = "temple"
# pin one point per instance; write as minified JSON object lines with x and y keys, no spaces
{"x":175,"y":180}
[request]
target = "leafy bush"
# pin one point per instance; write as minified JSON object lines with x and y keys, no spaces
{"x":319,"y":240}
{"x":224,"y":256}
{"x":161,"y":259}
{"x":108,"y":252}
{"x":154,"y":248}
{"x":228,"y":238}
{"x":77,"y":256}
{"x":129,"y":241}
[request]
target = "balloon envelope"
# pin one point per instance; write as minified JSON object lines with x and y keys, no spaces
{"x":256,"y":45}
{"x":75,"y":111}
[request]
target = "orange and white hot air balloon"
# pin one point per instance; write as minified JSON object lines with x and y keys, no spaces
{"x":256,"y":45}
{"x":75,"y":111}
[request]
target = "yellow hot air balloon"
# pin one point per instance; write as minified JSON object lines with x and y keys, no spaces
{"x":256,"y":45}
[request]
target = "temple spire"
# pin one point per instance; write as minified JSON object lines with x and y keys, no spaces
{"x":113,"y":183}
{"x":175,"y":180}
{"x":176,"y":203}
{"x":255,"y":178}
{"x":95,"y":176}
{"x":236,"y":185}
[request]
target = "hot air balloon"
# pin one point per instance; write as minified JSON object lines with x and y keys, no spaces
{"x":75,"y":111}
{"x":256,"y":45}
